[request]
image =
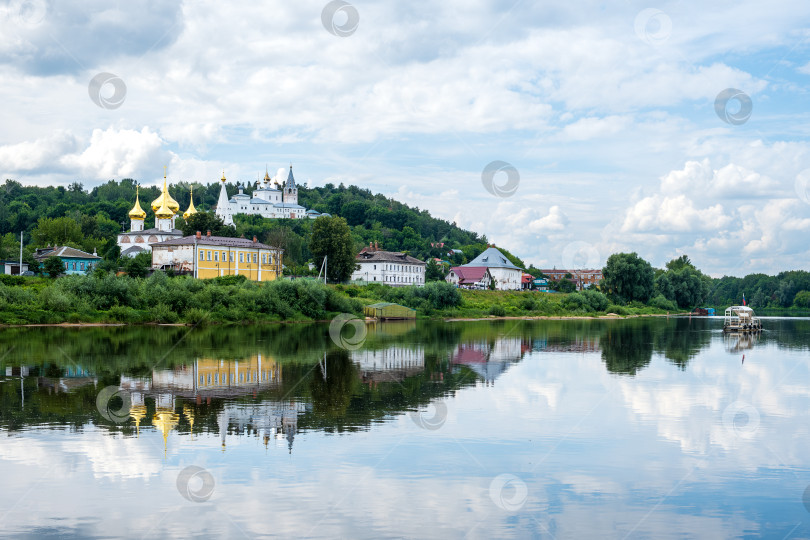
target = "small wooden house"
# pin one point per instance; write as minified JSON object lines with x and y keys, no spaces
{"x":386,"y":311}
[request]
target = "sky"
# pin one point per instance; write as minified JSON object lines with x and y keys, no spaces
{"x":564,"y":132}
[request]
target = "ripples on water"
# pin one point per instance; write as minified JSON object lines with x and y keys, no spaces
{"x":637,"y":428}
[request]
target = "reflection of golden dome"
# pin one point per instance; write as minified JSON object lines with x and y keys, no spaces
{"x":165,"y":196}
{"x":137,"y":412}
{"x":164,"y":421}
{"x":191,"y":210}
{"x":137,"y":212}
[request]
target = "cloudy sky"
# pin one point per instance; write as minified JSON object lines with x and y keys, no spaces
{"x":609,"y":116}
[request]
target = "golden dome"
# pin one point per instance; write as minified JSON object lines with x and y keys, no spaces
{"x":223,"y":175}
{"x":163,"y":212}
{"x":137,"y":212}
{"x":191,"y":210}
{"x":171,"y":204}
{"x":266,"y":176}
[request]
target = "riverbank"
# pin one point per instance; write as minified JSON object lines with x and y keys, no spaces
{"x":159,"y":299}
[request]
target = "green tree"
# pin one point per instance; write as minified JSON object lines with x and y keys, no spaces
{"x":207,"y":221}
{"x":138,"y":266}
{"x":802,"y":299}
{"x":434,"y":272}
{"x":628,"y":277}
{"x":686,"y":286}
{"x":53,"y":266}
{"x":332,"y":238}
{"x":61,"y":231}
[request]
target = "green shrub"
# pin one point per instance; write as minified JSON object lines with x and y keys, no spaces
{"x":161,"y":313}
{"x":197,"y":317}
{"x":662,"y":303}
{"x":497,"y":310}
{"x":596,"y":300}
{"x":618,"y":310}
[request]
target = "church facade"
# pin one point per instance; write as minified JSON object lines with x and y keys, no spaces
{"x":138,"y":239}
{"x":269,"y":200}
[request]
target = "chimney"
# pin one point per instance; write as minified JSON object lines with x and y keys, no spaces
{"x":376,"y":247}
{"x":207,"y":233}
{"x":199,"y":235}
{"x":254,"y":239}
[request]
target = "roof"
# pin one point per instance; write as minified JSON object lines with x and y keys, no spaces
{"x":386,"y":256}
{"x":386,"y":304}
{"x":527,"y":278}
{"x":66,"y":252}
{"x":290,"y":184}
{"x":132,"y":250}
{"x":492,"y":258}
{"x":470,"y":274}
{"x":214,"y":241}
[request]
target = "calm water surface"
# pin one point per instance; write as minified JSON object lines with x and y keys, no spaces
{"x":560,"y":429}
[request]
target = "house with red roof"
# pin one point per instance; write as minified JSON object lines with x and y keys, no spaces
{"x":470,"y":277}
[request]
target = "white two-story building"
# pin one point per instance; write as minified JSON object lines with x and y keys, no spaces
{"x":388,"y":267}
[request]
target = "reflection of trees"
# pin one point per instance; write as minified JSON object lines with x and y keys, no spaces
{"x":681,"y":339}
{"x":627,"y":347}
{"x":332,"y":384}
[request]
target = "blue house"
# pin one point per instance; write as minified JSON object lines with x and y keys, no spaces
{"x":74,"y":260}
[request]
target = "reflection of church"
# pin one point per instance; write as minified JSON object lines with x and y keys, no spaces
{"x":208,"y":379}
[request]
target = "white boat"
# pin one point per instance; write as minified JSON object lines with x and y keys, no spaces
{"x":741,"y":319}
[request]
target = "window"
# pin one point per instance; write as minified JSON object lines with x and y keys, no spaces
{"x":81,"y":266}
{"x":230,"y":256}
{"x":255,"y":258}
{"x":264,"y":258}
{"x":66,"y":266}
{"x":216,"y":256}
{"x":202,"y":255}
{"x":241,"y":257}
{"x":209,"y":255}
{"x":375,"y":267}
{"x":74,"y":266}
{"x":223,"y":256}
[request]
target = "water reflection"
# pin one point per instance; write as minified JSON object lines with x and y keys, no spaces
{"x":614,"y":428}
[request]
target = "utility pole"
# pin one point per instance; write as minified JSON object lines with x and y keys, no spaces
{"x":21,"y":244}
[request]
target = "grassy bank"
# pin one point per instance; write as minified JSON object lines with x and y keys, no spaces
{"x":106,"y":298}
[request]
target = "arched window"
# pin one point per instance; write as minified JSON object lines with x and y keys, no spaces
{"x":153,"y":239}
{"x":125,"y":239}
{"x":139,"y":239}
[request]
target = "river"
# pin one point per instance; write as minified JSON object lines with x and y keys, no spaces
{"x":638,"y":428}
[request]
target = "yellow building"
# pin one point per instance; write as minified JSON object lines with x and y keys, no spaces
{"x":213,"y":256}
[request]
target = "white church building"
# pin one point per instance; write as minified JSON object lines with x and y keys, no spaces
{"x":269,"y":200}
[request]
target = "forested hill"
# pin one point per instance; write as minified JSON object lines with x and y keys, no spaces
{"x":95,"y":216}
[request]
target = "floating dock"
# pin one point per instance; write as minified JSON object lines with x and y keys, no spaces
{"x":740,"y":319}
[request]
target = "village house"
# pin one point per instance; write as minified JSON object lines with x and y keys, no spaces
{"x":213,"y":256}
{"x":74,"y":260}
{"x":388,"y":267}
{"x":506,"y":275}
{"x":581,"y":278}
{"x":473,"y":277}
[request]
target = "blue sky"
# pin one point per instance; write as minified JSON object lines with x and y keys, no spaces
{"x":606,"y":110}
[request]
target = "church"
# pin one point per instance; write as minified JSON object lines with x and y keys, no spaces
{"x":138,"y":239}
{"x":269,"y":200}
